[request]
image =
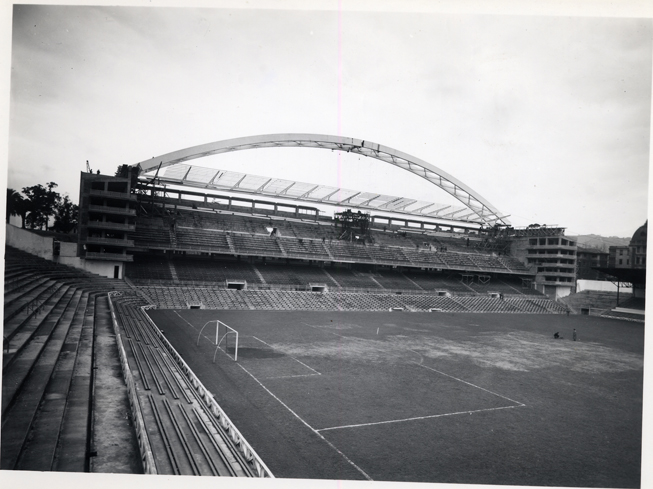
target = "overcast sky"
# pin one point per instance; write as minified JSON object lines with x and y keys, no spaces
{"x":547,"y":117}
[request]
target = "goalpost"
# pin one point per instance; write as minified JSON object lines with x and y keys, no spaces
{"x":222,"y":334}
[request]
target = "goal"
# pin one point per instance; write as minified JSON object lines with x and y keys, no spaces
{"x":226,"y":338}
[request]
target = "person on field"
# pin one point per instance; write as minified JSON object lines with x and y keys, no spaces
{"x":575,"y":335}
{"x":556,"y":335}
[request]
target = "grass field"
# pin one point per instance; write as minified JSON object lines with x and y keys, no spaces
{"x":428,"y":397}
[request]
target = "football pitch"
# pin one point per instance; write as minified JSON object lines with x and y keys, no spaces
{"x":427,"y":397}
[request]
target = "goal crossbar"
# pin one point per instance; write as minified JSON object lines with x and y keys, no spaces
{"x":219,"y":338}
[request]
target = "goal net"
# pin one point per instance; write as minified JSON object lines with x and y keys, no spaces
{"x":226,"y":338}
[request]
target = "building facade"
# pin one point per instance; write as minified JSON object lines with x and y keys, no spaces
{"x":587,"y":260}
{"x":107,"y":213}
{"x":633,"y":255}
{"x":551,"y":255}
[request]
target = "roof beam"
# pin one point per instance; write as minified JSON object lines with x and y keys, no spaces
{"x":404,"y":161}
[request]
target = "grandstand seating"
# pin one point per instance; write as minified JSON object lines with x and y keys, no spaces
{"x":424,"y":258}
{"x":310,"y":230}
{"x":493,"y":285}
{"x":537,"y":305}
{"x":234,"y":234}
{"x":458,"y":261}
{"x":256,"y":245}
{"x":200,"y":239}
{"x":346,"y":277}
{"x":285,"y":274}
{"x":392,"y":279}
{"x":272,"y":273}
{"x":50,"y":390}
{"x":187,"y":433}
{"x":591,"y":299}
{"x":433,"y":281}
{"x":195,"y":269}
{"x":304,"y":248}
{"x":485,"y":304}
{"x":512,"y":264}
{"x":149,"y":267}
{"x":515,"y":285}
{"x":387,"y":254}
{"x":349,"y":251}
{"x":151,"y":232}
{"x":62,"y":408}
{"x":220,"y":298}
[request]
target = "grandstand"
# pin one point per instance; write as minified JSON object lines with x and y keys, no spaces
{"x":194,"y":238}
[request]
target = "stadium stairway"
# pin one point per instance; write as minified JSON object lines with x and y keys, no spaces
{"x":50,"y":390}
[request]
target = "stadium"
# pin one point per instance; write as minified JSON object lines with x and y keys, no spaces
{"x":211,"y":322}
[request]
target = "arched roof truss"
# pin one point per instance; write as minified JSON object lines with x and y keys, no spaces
{"x":480,"y":210}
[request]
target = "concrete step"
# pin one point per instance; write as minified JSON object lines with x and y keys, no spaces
{"x":21,"y":281}
{"x":73,"y":449}
{"x":18,"y":366}
{"x":28,"y":378}
{"x":41,"y":446}
{"x":31,"y":297}
{"x":20,"y":329}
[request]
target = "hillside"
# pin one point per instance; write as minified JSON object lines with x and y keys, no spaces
{"x":601,"y":242}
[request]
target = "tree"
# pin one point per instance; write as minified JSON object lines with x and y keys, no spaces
{"x":16,"y":205}
{"x":65,"y":216}
{"x":41,"y":203}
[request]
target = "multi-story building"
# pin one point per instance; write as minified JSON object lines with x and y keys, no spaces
{"x":107,"y":213}
{"x":588,"y":259}
{"x":633,"y":255}
{"x":551,"y":255}
{"x":619,"y":257}
{"x":627,"y":264}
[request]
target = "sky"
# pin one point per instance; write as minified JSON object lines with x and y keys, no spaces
{"x":545,"y":116}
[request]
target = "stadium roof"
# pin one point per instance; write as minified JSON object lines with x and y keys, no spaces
{"x":222,"y":180}
{"x":476,"y":208}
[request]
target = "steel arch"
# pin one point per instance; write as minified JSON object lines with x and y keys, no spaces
{"x":487,"y":213}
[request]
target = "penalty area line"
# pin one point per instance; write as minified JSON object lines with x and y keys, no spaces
{"x":417,"y":418}
{"x":290,"y":376}
{"x":473,"y":385}
{"x":306,"y":424}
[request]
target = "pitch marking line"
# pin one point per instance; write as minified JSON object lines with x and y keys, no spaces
{"x":322,"y":329}
{"x":363,"y":473}
{"x":415,"y":418}
{"x":290,"y":376}
{"x":184,"y":319}
{"x":519,"y":404}
{"x":306,"y":424}
{"x":298,"y":361}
